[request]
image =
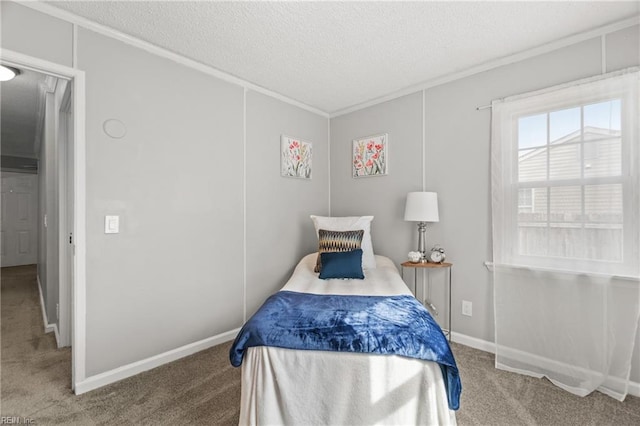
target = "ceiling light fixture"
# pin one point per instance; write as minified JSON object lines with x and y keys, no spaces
{"x":7,"y":73}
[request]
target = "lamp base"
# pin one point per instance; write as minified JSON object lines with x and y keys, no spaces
{"x":422,"y":232}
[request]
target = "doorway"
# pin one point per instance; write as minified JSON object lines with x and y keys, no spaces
{"x":35,"y":113}
{"x":60,"y":187}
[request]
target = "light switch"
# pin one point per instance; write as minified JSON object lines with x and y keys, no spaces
{"x":111,"y":224}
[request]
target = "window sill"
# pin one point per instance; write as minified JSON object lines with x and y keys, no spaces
{"x":490,"y":267}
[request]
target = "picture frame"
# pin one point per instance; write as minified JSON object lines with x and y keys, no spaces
{"x":296,"y":158}
{"x":370,"y":156}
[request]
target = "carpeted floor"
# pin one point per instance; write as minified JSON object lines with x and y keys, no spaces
{"x":205,"y":389}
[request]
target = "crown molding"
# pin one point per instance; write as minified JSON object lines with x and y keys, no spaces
{"x":159,"y":51}
{"x":164,"y":53}
{"x":517,"y":57}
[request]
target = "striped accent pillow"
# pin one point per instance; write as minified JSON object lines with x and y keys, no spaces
{"x":337,"y":241}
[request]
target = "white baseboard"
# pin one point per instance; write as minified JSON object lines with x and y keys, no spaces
{"x":48,"y":327}
{"x":473,"y":342}
{"x":138,"y":367}
{"x":486,"y":346}
{"x":57,"y":334}
{"x":634,"y":389}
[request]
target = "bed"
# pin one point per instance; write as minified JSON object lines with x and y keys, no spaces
{"x":344,"y":342}
{"x":292,"y":386}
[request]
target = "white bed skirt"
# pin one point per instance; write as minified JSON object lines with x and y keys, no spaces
{"x":297,"y":387}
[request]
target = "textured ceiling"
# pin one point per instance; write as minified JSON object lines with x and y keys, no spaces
{"x":333,"y":55}
{"x":19,"y":107}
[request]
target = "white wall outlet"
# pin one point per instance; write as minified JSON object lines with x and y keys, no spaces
{"x":467,"y":308}
{"x":111,"y":224}
{"x":45,"y":220}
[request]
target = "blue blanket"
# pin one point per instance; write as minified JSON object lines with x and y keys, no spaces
{"x":388,"y":325}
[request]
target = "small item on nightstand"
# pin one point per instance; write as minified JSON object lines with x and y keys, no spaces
{"x":437,"y":254}
{"x":414,"y":256}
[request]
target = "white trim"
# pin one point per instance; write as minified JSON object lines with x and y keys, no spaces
{"x":424,"y":141}
{"x":329,"y":165}
{"x":473,"y":342}
{"x":57,"y":335}
{"x":39,"y":118}
{"x":164,"y":53}
{"x":48,"y":327}
{"x":74,"y":47}
{"x":634,"y":389}
{"x":486,"y":346}
{"x":546,"y":48}
{"x":78,"y":351}
{"x":79,"y":319}
{"x":111,"y":376}
{"x":491,"y":268}
{"x":244,"y":204}
{"x":64,"y":112}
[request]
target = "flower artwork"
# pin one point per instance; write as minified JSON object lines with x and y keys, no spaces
{"x":370,"y":156}
{"x":296,"y":158}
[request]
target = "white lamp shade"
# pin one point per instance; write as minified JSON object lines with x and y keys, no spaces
{"x":422,"y":207}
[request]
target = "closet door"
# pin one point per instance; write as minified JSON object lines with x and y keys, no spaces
{"x":19,"y":241}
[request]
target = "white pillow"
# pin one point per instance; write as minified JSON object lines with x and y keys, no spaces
{"x":350,"y":223}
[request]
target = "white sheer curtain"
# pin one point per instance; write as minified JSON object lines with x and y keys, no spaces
{"x":566,"y":232}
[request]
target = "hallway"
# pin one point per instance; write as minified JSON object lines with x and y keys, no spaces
{"x":35,"y":374}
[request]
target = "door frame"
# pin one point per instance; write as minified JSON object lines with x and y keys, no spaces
{"x":65,"y":212}
{"x":78,"y":286}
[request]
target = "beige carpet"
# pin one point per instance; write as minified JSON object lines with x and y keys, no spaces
{"x":205,"y":389}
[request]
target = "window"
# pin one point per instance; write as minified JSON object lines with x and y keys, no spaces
{"x":525,"y":200}
{"x":568,"y":184}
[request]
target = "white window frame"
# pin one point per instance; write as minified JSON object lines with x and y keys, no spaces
{"x":620,"y":85}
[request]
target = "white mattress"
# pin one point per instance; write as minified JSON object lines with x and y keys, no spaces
{"x":297,"y":387}
{"x":381,"y":281}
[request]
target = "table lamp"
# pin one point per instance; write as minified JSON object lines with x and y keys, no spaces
{"x":422,"y":207}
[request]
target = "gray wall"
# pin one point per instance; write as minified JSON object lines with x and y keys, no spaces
{"x":36,"y":34}
{"x":279,"y":230}
{"x":381,"y":196}
{"x":175,"y":273}
{"x":457,"y":164}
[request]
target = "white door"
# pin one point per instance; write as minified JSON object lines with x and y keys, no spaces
{"x":19,"y":227}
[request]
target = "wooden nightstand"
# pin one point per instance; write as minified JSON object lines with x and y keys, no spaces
{"x":426,"y":266}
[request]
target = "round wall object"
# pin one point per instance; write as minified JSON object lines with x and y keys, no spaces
{"x":114,"y":128}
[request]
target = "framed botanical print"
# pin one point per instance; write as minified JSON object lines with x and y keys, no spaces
{"x":295,"y":158}
{"x":370,"y":156}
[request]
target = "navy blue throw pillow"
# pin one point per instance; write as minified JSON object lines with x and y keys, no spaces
{"x":346,"y":264}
